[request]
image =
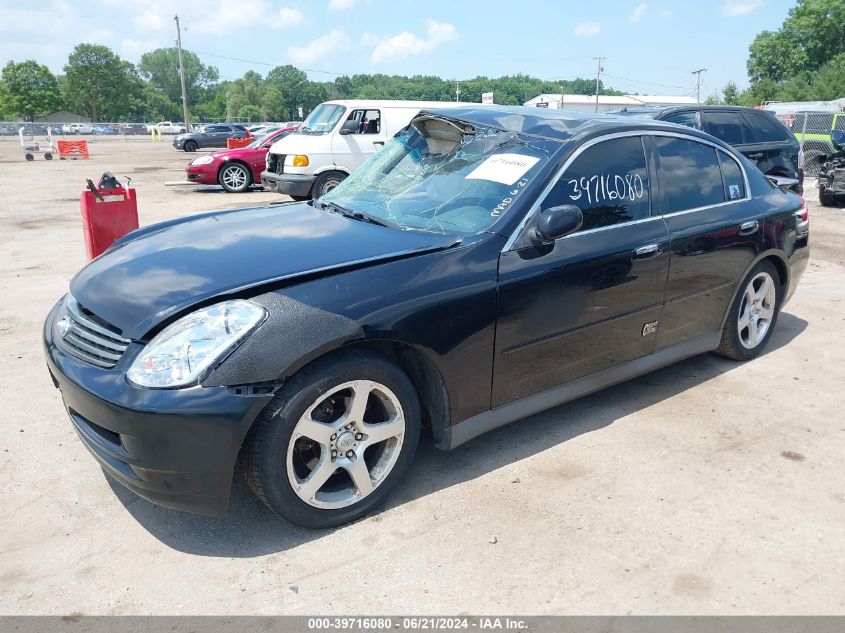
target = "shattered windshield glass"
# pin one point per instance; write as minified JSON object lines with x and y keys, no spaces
{"x":443,"y":176}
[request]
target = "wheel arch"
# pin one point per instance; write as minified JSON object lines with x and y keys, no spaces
{"x":781,"y":264}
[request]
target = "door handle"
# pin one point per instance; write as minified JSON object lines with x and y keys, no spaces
{"x":746,"y":228}
{"x":756,"y":156}
{"x":647,"y":251}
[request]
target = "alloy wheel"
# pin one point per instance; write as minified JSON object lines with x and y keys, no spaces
{"x":345,"y":444}
{"x":234,"y":177}
{"x":756,"y":310}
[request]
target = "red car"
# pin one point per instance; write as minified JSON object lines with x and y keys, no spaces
{"x":235,"y":169}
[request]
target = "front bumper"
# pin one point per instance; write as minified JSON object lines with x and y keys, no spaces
{"x":180,"y":144}
{"x":201,"y":174}
{"x":174,"y":447}
{"x":288,"y":184}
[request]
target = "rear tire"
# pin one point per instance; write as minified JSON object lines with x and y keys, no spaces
{"x":234,"y":177}
{"x":327,"y":181}
{"x":191,"y":146}
{"x":753,"y":314}
{"x":334,"y":441}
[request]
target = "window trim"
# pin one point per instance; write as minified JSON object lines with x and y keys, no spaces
{"x":509,"y":245}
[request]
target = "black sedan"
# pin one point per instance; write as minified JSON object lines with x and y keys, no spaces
{"x":487,"y":264}
{"x":213,"y":135}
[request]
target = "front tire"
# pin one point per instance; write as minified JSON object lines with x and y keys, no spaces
{"x":327,"y":181}
{"x":234,"y":178}
{"x":191,"y":146}
{"x":335,"y":441}
{"x":753,"y":314}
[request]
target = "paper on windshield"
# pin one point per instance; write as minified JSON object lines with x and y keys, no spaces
{"x":503,"y":168}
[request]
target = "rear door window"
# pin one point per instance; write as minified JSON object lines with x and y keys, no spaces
{"x":768,"y":130}
{"x":690,"y":176}
{"x":608,"y":182}
{"x":726,"y":126}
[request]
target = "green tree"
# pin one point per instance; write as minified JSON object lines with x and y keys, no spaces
{"x":250,"y":112}
{"x":713,"y":100}
{"x":812,"y":34}
{"x":28,"y":89}
{"x":102,"y":85}
{"x":730,"y":94}
{"x":161,"y":69}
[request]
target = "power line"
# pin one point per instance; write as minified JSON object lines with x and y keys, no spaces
{"x":253,"y":61}
{"x":645,"y":83}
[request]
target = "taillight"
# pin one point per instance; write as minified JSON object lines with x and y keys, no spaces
{"x":804,"y":213}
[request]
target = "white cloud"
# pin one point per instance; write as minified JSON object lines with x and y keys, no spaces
{"x":587,"y":29}
{"x":406,"y":44}
{"x":334,"y":41}
{"x":209,"y":17}
{"x":733,"y":8}
{"x":341,"y":5}
{"x":639,"y":12}
{"x":287,"y":18}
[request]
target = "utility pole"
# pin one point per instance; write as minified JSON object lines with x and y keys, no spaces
{"x":457,"y":90}
{"x":599,"y":71}
{"x":697,"y":74}
{"x":182,"y":72}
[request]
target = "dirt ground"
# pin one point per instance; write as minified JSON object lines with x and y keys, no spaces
{"x":708,"y":487}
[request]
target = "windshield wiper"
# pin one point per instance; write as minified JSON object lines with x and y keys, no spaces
{"x":355,"y":215}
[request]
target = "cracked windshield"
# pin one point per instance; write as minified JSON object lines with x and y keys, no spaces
{"x":442,"y":176}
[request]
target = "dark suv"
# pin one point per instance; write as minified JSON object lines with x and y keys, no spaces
{"x":763,"y":139}
{"x":211,"y":135}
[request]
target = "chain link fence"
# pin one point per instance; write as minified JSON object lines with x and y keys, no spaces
{"x":812,"y":129}
{"x":40,"y":131}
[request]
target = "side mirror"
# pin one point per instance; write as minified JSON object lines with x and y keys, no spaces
{"x":556,"y":222}
{"x":350,"y":127}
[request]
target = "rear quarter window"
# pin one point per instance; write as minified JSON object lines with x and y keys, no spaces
{"x":726,"y":126}
{"x":732,"y":177}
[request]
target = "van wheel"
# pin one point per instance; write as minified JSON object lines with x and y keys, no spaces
{"x":753,"y":314}
{"x":335,"y":440}
{"x":326,"y":182}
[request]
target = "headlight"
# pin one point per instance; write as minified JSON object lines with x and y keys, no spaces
{"x":296,"y":160}
{"x":185,"y":349}
{"x":202,"y":160}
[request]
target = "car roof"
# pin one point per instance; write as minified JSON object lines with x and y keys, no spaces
{"x":698,"y":107}
{"x":561,"y":125}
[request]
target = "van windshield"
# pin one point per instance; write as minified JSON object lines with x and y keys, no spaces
{"x":442,"y":176}
{"x":323,"y":119}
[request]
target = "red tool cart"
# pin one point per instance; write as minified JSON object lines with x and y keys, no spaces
{"x":109,"y":211}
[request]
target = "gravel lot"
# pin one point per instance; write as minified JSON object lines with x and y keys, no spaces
{"x":706,"y":487}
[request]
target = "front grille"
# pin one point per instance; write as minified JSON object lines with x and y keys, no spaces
{"x":279,"y":166}
{"x":91,"y":341}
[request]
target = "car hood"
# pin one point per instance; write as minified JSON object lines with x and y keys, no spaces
{"x":159,"y":271}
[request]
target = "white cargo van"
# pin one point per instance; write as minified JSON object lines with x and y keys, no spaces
{"x":333,"y":141}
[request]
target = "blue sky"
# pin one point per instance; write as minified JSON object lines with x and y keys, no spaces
{"x":650,"y":47}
